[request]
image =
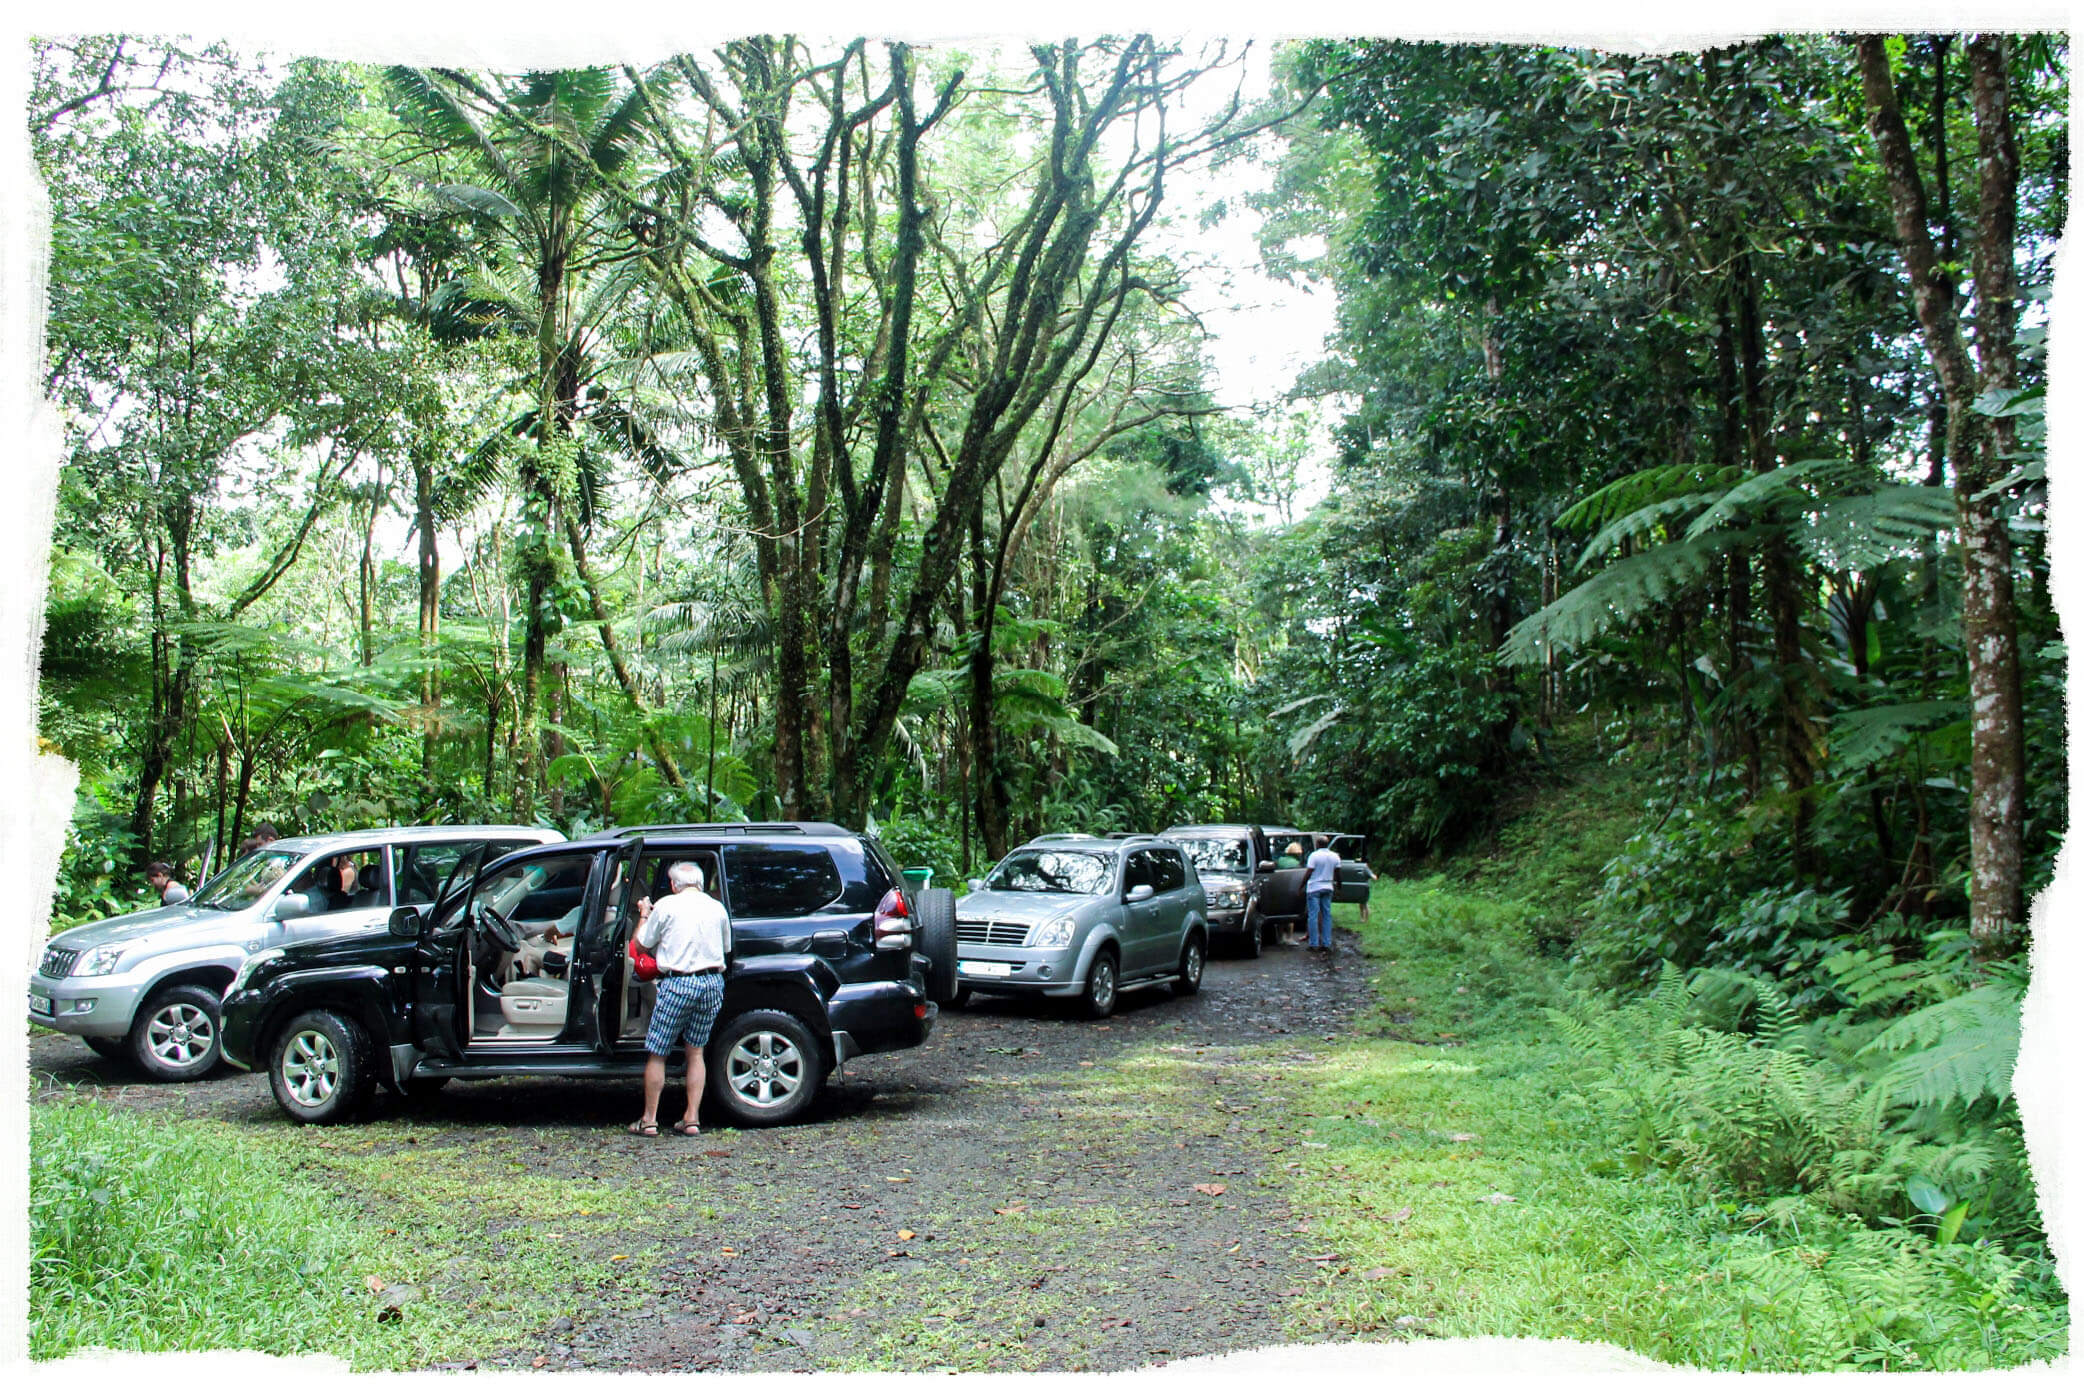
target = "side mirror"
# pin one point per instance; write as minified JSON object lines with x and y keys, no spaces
{"x":1142,"y":891}
{"x":405,"y":922}
{"x":976,"y":884}
{"x":1265,"y":865}
{"x":289,"y":906}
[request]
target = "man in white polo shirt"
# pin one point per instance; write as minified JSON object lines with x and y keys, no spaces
{"x":686,"y":933}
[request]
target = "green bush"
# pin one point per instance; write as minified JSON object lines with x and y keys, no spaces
{"x":143,"y":1237}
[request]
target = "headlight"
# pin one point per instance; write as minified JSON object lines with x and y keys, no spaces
{"x":102,"y":959}
{"x":1053,"y":934}
{"x":1232,"y":895}
{"x":254,"y":964}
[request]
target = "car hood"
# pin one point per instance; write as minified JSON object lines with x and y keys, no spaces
{"x":160,"y":920}
{"x":1021,"y":908}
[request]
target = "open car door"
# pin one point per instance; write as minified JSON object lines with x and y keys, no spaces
{"x":602,"y":977}
{"x":441,"y":982}
{"x":1354,"y":879}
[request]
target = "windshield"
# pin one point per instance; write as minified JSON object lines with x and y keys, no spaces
{"x":1216,"y":855}
{"x":1052,"y":870}
{"x":244,"y":881}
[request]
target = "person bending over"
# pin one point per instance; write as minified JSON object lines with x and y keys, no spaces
{"x":685,"y":933}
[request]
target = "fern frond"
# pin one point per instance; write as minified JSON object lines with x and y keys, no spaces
{"x":1762,"y":491}
{"x":1649,"y":487}
{"x":1614,"y":596}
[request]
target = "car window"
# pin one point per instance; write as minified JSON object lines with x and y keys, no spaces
{"x":344,"y":882}
{"x":1172,"y":873}
{"x":779,"y":879}
{"x":423,"y":867}
{"x":1139,"y":872}
{"x":546,"y":891}
{"x":1217,"y":855}
{"x":1052,"y":870}
{"x":239,"y":884}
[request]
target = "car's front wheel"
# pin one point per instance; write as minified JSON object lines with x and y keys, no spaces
{"x":1192,"y":956}
{"x":322,"y":1067}
{"x":175,"y":1035}
{"x":1253,"y":942}
{"x":765,"y":1067}
{"x":1102,"y":986}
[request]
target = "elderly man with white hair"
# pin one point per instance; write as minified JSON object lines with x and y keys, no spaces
{"x":686,"y":933}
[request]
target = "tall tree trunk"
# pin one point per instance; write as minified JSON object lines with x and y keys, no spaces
{"x":1989,"y":620}
{"x":988,"y":775}
{"x":430,"y":617}
{"x":1736,"y":607}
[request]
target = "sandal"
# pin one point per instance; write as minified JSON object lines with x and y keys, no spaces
{"x":688,"y":1127}
{"x":640,"y":1128}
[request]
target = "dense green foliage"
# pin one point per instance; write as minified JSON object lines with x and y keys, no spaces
{"x":806,"y":429}
{"x":1698,"y":1175}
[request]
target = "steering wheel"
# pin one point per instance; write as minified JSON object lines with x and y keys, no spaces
{"x":499,"y":930}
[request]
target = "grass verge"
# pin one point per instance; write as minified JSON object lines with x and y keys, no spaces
{"x":153,"y":1234}
{"x":1462,"y":1187}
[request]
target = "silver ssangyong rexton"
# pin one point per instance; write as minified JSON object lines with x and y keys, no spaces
{"x":147,"y":985}
{"x":1072,"y":915}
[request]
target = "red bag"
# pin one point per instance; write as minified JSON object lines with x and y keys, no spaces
{"x":646,"y":965}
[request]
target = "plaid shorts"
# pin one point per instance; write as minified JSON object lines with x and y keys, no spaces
{"x":685,"y":1011}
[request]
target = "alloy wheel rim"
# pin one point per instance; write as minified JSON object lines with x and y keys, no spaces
{"x":1194,"y":963}
{"x":1103,"y":983}
{"x":180,"y":1035}
{"x":765,"y":1069}
{"x":311,"y":1067}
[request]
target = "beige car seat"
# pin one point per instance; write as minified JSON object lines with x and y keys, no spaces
{"x":533,"y":1007}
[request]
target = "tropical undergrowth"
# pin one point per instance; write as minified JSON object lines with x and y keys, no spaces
{"x":1707,"y":1172}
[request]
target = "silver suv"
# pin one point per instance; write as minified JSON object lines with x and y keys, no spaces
{"x":1074,"y":916}
{"x":148,"y":985}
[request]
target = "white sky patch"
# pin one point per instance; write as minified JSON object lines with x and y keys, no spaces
{"x":538,"y":32}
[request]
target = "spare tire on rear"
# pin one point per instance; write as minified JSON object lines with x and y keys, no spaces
{"x":935,"y":909}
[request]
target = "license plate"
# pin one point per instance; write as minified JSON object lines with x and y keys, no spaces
{"x":985,"y":968}
{"x":40,"y":1004}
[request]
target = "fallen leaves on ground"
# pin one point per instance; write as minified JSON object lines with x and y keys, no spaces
{"x":1011,"y":1209}
{"x":906,"y":1234}
{"x":1210,"y":1187}
{"x":373,"y":1282}
{"x":1400,"y":1215}
{"x":1499,"y":1197}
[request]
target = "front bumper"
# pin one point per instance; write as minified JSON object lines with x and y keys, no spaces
{"x":99,"y":1006}
{"x":1227,"y":919}
{"x":1009,"y":969}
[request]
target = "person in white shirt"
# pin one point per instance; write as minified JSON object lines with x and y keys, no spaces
{"x":687,"y":933}
{"x":160,"y":876}
{"x":1324,"y":868}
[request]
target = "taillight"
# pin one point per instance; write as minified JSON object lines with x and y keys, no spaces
{"x":893,"y":926}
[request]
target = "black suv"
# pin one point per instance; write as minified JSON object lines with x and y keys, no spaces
{"x":520,"y":967}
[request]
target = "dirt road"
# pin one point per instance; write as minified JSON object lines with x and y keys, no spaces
{"x":1025,"y":1191}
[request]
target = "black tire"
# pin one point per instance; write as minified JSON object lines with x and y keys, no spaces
{"x":757,"y":1095}
{"x":175,"y":1036}
{"x":107,"y":1047}
{"x":1253,"y":942}
{"x":322,"y":1066}
{"x":1193,"y":957}
{"x":1103,"y":986}
{"x":958,"y":1002}
{"x":936,"y":940}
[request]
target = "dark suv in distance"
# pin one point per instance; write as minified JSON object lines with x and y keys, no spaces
{"x":520,"y":967}
{"x":1232,"y":860}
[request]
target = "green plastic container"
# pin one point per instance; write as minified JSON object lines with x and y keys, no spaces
{"x":919,"y":877}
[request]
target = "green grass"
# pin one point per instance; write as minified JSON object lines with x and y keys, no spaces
{"x":150,"y":1234}
{"x":1464,"y":1188}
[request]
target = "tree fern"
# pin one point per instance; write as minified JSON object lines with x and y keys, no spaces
{"x":1649,"y":487}
{"x":1956,"y":1051}
{"x":1614,"y":596}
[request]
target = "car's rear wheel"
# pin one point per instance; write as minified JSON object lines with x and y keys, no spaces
{"x":1102,"y":986}
{"x":322,"y":1067}
{"x":1192,"y":956}
{"x":175,"y":1035}
{"x":936,"y":930}
{"x":107,"y":1047}
{"x":765,"y":1067}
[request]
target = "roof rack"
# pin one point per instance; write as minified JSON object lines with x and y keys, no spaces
{"x":813,"y":828}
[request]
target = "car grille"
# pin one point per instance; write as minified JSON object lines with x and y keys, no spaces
{"x":57,"y":963}
{"x":991,"y":932}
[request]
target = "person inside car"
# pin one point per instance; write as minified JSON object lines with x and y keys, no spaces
{"x":685,"y":933}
